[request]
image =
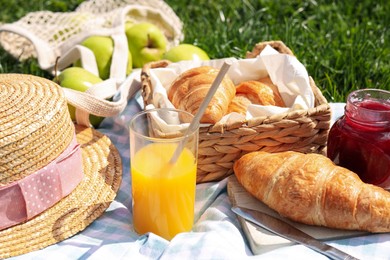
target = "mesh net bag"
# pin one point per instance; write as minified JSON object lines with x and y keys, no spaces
{"x":54,"y":38}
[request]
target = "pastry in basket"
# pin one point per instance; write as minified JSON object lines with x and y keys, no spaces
{"x":260,"y":92}
{"x":311,"y":189}
{"x":189,"y":89}
{"x":239,"y":104}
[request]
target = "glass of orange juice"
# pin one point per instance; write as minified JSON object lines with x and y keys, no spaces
{"x":163,"y":192}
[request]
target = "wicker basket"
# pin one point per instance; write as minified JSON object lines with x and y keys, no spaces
{"x":221,"y":144}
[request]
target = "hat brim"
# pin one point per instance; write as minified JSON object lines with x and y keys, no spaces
{"x":102,"y":178}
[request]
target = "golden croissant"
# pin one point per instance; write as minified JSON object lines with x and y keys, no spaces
{"x":261,"y":92}
{"x":189,"y":89}
{"x":311,"y":189}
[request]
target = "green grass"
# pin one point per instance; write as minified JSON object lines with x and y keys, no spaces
{"x":345,"y":45}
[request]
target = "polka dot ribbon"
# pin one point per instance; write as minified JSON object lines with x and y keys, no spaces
{"x":26,"y":198}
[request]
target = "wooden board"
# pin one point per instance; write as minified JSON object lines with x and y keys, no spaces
{"x":261,"y":240}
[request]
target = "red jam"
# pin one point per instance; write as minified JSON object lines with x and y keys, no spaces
{"x":360,"y":140}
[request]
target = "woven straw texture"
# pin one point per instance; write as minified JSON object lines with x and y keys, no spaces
{"x":35,"y":127}
{"x":221,"y":144}
{"x":101,"y":164}
{"x":103,"y":175}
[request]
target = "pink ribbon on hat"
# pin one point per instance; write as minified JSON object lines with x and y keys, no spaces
{"x":26,"y":198}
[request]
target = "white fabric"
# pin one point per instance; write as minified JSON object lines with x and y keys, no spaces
{"x":217,"y":234}
{"x":284,"y":70}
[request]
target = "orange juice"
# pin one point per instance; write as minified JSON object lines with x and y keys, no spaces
{"x":163,"y":194}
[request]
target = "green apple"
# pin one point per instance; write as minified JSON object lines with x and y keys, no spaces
{"x":185,"y":51}
{"x":102,"y":47}
{"x":128,"y":24}
{"x":79,"y":79}
{"x":146,"y":43}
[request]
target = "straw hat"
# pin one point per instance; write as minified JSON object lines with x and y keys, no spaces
{"x":55,"y":177}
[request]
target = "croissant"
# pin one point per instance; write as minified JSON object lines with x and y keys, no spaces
{"x":190,"y":88}
{"x":311,"y":189}
{"x":239,"y":104}
{"x":261,"y":92}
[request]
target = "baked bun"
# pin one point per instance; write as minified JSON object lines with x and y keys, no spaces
{"x":278,"y":99}
{"x":190,"y":88}
{"x":239,"y":104}
{"x":260,"y":92}
{"x":311,"y":189}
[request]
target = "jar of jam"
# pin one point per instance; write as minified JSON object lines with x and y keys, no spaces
{"x":360,"y":140}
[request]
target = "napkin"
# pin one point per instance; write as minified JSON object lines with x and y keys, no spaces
{"x":166,"y":122}
{"x":285,"y":71}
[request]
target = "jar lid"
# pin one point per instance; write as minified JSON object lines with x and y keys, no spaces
{"x":369,"y":107}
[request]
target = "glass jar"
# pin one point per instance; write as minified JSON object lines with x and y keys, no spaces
{"x":360,"y":140}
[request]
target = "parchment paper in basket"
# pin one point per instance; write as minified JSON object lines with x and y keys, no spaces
{"x":166,"y":124}
{"x":286,"y":71}
{"x":162,"y":120}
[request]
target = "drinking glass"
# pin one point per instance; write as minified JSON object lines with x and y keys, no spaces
{"x":163,"y":192}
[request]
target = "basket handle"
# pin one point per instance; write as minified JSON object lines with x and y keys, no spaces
{"x":146,"y":83}
{"x":277,"y":45}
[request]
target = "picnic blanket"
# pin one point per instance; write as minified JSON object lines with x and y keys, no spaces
{"x":216,"y":234}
